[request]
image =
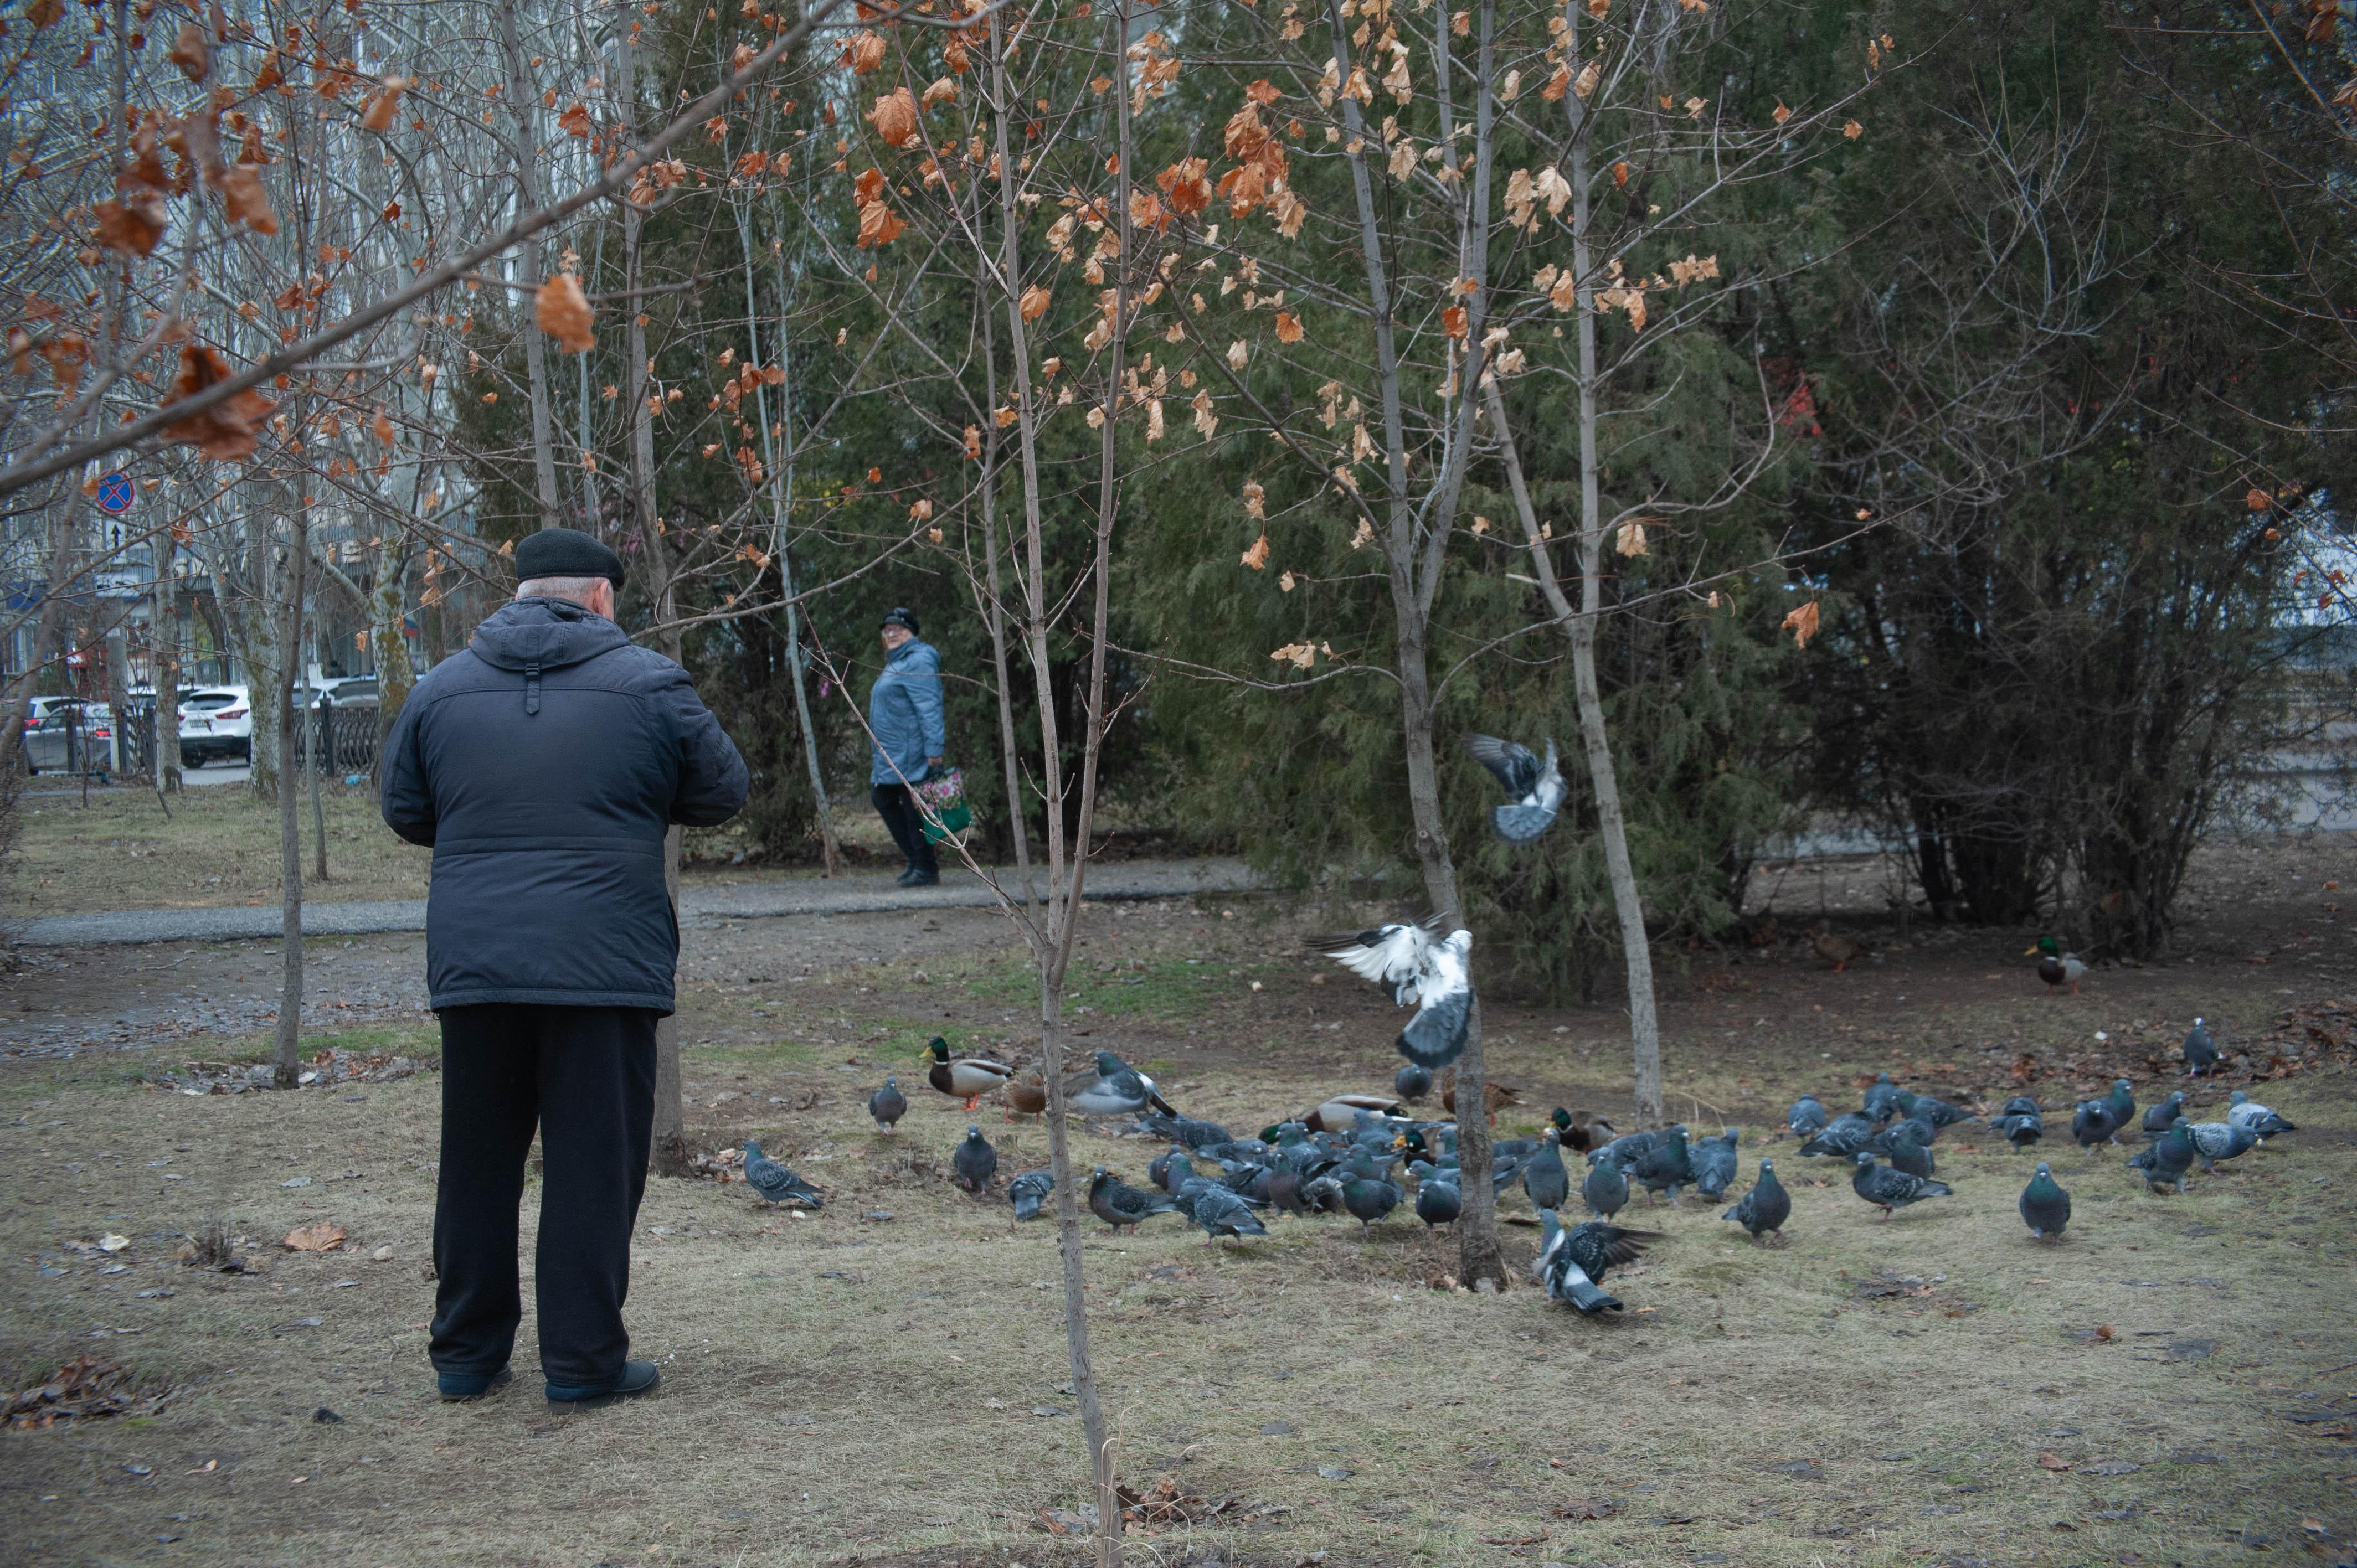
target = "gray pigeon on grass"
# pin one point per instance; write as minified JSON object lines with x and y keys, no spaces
{"x":2166,"y":1159}
{"x":1028,"y":1191}
{"x":1763,"y":1210}
{"x":2045,"y":1207}
{"x":976,"y":1161}
{"x":1890,"y":1191}
{"x":2241,"y":1111}
{"x":1713,"y":1164}
{"x":887,"y":1104}
{"x":773,"y":1181}
{"x":2200,"y":1050}
{"x":1571,"y":1262}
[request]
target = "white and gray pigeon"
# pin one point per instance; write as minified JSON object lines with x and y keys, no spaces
{"x":1028,"y":1191}
{"x":1423,"y":967}
{"x":1118,"y":1089}
{"x":2216,"y":1140}
{"x":2241,"y":1111}
{"x":773,"y":1181}
{"x":1571,"y":1263}
{"x":1534,"y":789}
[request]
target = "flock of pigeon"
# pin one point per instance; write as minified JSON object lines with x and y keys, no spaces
{"x":1347,"y":1155}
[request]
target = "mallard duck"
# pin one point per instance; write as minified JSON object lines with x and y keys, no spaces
{"x":1583,"y":1132}
{"x":1027,"y":1096}
{"x":2056,"y":967}
{"x":1336,"y":1113}
{"x":964,"y":1077}
{"x":1495,"y":1096}
{"x":1839,"y":951}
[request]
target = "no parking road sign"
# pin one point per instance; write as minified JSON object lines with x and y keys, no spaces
{"x":116,"y":492}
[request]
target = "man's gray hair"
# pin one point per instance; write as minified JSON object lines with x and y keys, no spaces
{"x":576,"y":589}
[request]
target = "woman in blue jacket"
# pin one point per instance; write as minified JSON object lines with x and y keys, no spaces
{"x":905,"y":713}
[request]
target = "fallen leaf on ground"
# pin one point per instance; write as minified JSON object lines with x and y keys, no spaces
{"x":317,"y":1237}
{"x":2049,"y":1460}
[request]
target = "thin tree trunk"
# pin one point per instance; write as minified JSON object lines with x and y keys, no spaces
{"x":522,"y":108}
{"x":669,"y":1156}
{"x":996,"y":610}
{"x":1644,"y":1030}
{"x":1054,"y":952}
{"x":168,"y":663}
{"x":318,"y":756}
{"x":290,"y":832}
{"x":1580,"y":625}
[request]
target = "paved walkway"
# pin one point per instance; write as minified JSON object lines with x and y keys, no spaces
{"x":699,"y":905}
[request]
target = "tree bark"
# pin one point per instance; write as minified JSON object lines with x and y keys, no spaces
{"x":1580,"y":625}
{"x":522,"y":107}
{"x":290,"y":832}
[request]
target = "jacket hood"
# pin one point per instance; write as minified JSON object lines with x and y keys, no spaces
{"x":551,"y":633}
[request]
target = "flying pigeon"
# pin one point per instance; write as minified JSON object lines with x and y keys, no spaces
{"x":1439,"y":1199}
{"x":1881,"y":1098}
{"x":1606,"y":1190}
{"x":2020,"y":1128}
{"x":1765,"y":1208}
{"x":1118,"y":1089}
{"x":2241,"y":1111}
{"x":1714,"y":1165}
{"x":1806,"y":1118}
{"x":773,"y":1181}
{"x":1412,"y":1082}
{"x":2166,"y":1159}
{"x":1570,"y":1263}
{"x":1028,"y":1191}
{"x":1891,"y":1190}
{"x":1667,"y":1166}
{"x":2092,"y":1124}
{"x":976,"y":1161}
{"x":1543,"y":1177}
{"x":1118,"y":1204}
{"x":1535,"y":788}
{"x":887,"y":1104}
{"x":2200,"y":1051}
{"x":1421,"y":967}
{"x":2216,"y":1140}
{"x":1844,"y":1135}
{"x":2045,"y":1207}
{"x":2158,"y":1118}
{"x":1219,"y":1211}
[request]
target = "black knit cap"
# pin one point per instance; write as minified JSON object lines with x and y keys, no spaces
{"x":900,"y":615}
{"x":565,"y":552}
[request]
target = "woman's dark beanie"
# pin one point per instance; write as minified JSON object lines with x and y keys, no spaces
{"x":900,"y":615}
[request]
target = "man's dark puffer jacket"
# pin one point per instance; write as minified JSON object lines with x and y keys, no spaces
{"x":543,"y":765}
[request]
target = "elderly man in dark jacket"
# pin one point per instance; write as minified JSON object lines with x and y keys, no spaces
{"x":543,"y":767}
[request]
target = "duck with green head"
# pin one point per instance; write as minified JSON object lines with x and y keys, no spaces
{"x":962,"y":1078}
{"x":2056,"y":967}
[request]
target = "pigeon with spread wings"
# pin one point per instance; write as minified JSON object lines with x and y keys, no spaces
{"x":1535,"y":788}
{"x":1421,"y":967}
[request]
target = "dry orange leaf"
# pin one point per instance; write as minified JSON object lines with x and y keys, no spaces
{"x":867,"y":52}
{"x":1034,"y":301}
{"x":574,"y":121}
{"x":320,"y":1237}
{"x":378,"y":115}
{"x":381,"y":428}
{"x":243,"y":200}
{"x":1781,"y":113}
{"x":134,"y":225}
{"x":1452,"y":320}
{"x":1802,"y":623}
{"x":1257,"y":556}
{"x":227,"y":431}
{"x":2258,"y":500}
{"x":1185,"y":186}
{"x":878,"y":225}
{"x":1620,"y":175}
{"x":1261,"y":92}
{"x":1288,"y":329}
{"x":1853,"y":130}
{"x":2049,"y":1460}
{"x":189,"y":52}
{"x":894,"y":116}
{"x":565,"y":314}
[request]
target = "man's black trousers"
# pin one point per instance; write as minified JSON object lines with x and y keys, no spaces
{"x":906,"y":823}
{"x":584,"y":1076}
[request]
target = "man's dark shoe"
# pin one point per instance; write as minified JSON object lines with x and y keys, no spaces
{"x":908,"y":875}
{"x":638,"y":1378}
{"x":459,"y":1386}
{"x":920,"y":879}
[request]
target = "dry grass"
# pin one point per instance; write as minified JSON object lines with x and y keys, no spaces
{"x":841,"y":1388}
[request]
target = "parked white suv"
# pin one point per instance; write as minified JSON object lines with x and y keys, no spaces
{"x":216,"y":721}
